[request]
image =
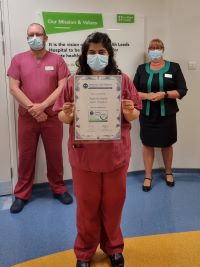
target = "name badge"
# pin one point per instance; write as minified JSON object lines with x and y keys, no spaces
{"x":167,"y":75}
{"x":49,"y":68}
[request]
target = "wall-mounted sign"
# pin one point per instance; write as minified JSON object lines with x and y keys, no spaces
{"x":56,"y":22}
{"x":67,"y":31}
{"x":125,"y":18}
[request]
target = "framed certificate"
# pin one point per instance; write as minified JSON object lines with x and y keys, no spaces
{"x":97,"y":107}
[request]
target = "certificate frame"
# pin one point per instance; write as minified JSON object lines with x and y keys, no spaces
{"x":97,"y":101}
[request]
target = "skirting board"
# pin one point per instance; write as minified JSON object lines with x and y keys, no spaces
{"x":5,"y":188}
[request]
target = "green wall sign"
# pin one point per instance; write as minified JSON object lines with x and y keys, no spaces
{"x":125,"y":18}
{"x":57,"y":22}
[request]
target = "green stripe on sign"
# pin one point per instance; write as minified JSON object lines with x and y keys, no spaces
{"x":57,"y":22}
{"x":125,"y":18}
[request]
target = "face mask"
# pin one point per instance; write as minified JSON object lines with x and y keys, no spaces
{"x":36,"y":43}
{"x":155,"y":54}
{"x":97,"y":62}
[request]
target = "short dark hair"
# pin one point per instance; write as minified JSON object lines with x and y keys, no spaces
{"x":97,"y":37}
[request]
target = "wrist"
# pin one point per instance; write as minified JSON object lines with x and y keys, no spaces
{"x":166,"y":94}
{"x":44,"y":105}
{"x":28,"y":106}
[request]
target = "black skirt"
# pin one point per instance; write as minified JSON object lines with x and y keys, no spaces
{"x":157,"y":131}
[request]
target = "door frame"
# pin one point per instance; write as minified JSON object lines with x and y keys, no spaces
{"x":4,"y":15}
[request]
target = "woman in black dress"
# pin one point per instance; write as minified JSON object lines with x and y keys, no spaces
{"x":159,"y":83}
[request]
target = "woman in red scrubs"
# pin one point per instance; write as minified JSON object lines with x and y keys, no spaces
{"x":99,"y":169}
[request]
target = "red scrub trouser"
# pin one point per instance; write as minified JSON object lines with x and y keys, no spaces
{"x":51,"y":132}
{"x":100,"y":199}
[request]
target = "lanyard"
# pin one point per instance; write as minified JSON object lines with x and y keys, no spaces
{"x":161,"y":73}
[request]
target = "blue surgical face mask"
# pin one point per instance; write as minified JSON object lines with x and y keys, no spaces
{"x":36,"y":43}
{"x":97,"y":62}
{"x":155,"y":54}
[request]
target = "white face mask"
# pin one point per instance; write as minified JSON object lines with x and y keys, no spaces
{"x":155,"y":54}
{"x":97,"y":62}
{"x":36,"y":43}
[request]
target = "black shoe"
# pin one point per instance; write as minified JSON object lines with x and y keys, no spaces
{"x":64,"y":198}
{"x":82,"y":264}
{"x":169,"y":183}
{"x":117,"y":260}
{"x":145,"y":187}
{"x":17,"y":205}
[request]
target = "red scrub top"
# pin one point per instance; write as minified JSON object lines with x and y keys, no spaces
{"x":100,"y":156}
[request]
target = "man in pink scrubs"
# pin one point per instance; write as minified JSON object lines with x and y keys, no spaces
{"x":36,"y":78}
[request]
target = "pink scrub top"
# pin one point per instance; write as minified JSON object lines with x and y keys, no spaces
{"x":38,"y":80}
{"x":102,"y":156}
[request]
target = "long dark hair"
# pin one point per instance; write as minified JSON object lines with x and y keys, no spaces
{"x":102,"y":38}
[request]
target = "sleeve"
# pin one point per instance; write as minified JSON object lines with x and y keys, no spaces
{"x":14,"y":69}
{"x":66,"y":95}
{"x":63,"y":70}
{"x":180,"y":82}
{"x":129,"y":92}
{"x":136,"y":80}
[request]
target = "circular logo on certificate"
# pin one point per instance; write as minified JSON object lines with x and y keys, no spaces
{"x":85,"y":85}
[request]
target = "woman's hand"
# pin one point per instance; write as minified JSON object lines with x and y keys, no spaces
{"x":156,"y":96}
{"x":127,"y":106}
{"x":129,"y":111}
{"x":66,"y":115}
{"x":68,"y":109}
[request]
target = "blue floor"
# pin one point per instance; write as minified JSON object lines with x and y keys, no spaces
{"x":46,"y":226}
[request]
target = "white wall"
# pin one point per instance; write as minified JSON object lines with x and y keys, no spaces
{"x":183,"y":44}
{"x":177,"y":25}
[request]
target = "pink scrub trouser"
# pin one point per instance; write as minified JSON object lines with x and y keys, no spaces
{"x":100,"y":199}
{"x":51,"y":132}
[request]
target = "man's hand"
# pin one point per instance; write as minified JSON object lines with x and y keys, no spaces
{"x":42,"y":117}
{"x":36,"y":109}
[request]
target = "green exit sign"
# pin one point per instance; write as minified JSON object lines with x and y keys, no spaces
{"x":125,"y":18}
